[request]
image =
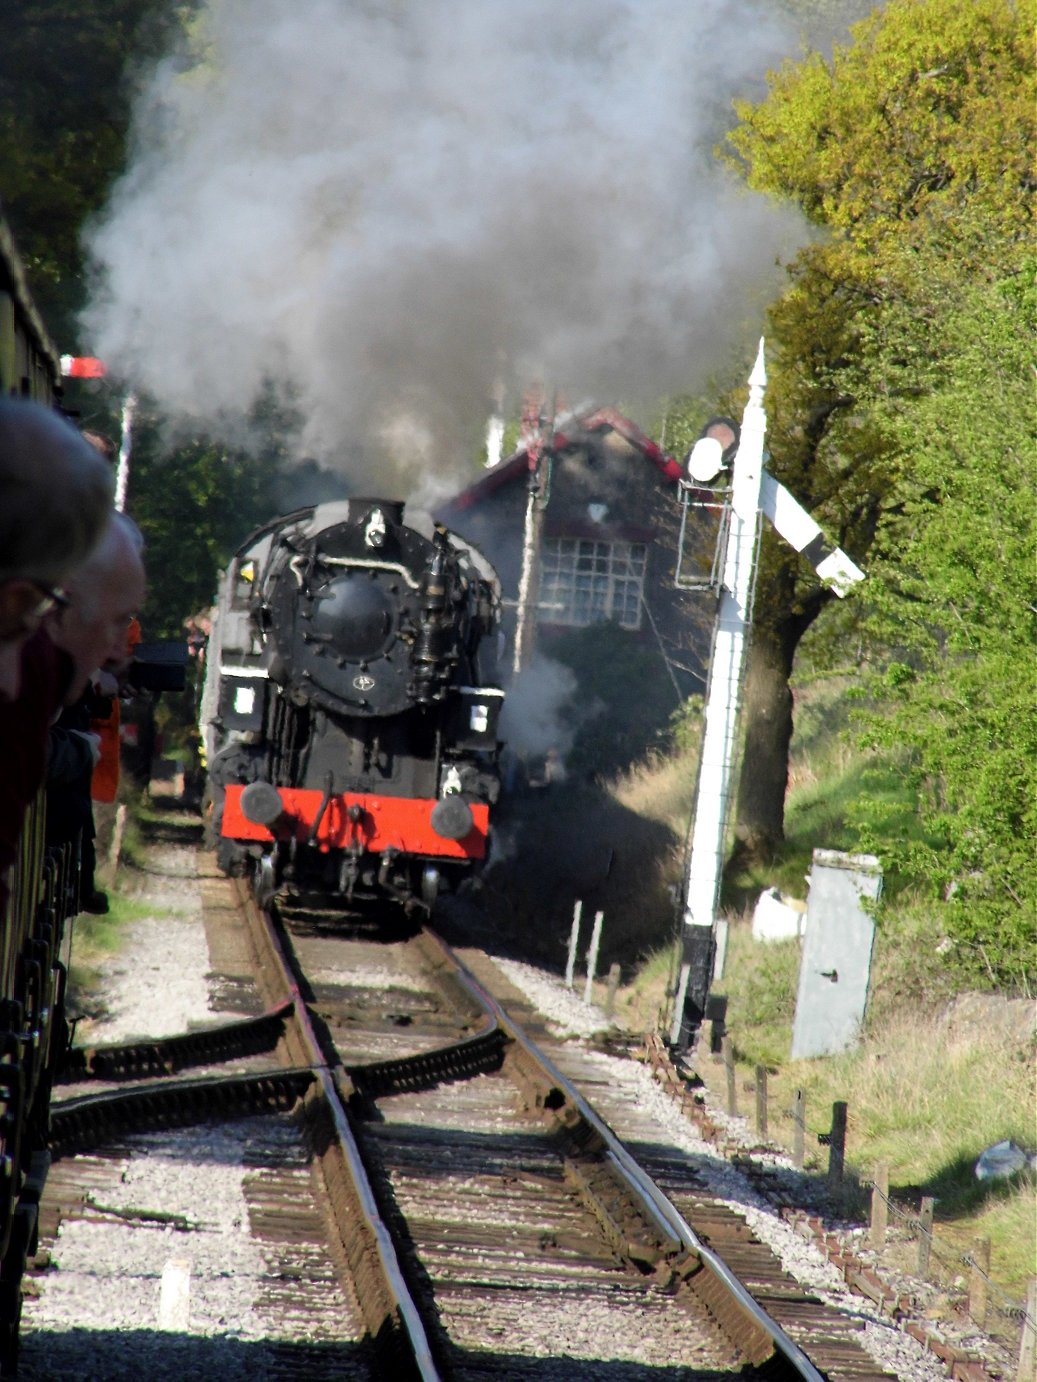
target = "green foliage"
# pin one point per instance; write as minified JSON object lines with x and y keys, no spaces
{"x":67,"y":78}
{"x":926,"y":115}
{"x":954,"y":597}
{"x":760,"y":983}
{"x":195,"y":502}
{"x":910,"y":150}
{"x":686,"y":724}
{"x":69,"y":71}
{"x":912,"y":966}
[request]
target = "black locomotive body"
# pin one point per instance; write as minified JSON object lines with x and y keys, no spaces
{"x":350,"y":706}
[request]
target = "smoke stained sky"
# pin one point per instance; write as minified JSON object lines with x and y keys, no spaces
{"x":389,"y":204}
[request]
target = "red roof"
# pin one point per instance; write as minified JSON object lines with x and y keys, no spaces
{"x":570,"y":432}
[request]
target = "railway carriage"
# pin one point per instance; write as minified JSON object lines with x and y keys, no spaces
{"x":33,"y":1034}
{"x":350,"y":707}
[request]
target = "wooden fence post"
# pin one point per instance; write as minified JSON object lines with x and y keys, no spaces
{"x":925,"y":1234}
{"x":880,"y":1205}
{"x":111,"y":864}
{"x":799,"y":1126}
{"x":610,"y":997}
{"x":729,"y":1068}
{"x":1028,"y":1342}
{"x":978,"y":1280}
{"x":761,"y":1100}
{"x":837,"y":1142}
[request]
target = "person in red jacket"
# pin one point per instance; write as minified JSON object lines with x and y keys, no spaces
{"x":105,"y":722}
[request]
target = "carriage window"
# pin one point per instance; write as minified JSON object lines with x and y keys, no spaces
{"x":584,"y":582}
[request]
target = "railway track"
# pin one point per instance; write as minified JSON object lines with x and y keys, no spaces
{"x":486,"y":1220}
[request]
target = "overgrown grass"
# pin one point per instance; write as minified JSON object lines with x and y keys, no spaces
{"x":828,"y":773}
{"x":660,"y":789}
{"x":645,"y":1005}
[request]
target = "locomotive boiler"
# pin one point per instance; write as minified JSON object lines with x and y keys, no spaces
{"x":350,"y":707}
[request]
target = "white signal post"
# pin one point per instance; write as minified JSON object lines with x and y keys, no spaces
{"x":122,"y":472}
{"x":753,"y":491}
{"x":90,"y":367}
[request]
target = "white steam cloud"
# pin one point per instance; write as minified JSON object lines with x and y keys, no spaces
{"x":533,"y":722}
{"x":383,"y":205}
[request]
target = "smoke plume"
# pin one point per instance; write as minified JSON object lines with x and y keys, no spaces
{"x":382,"y":207}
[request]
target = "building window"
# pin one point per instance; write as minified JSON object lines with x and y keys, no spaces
{"x":585,"y":582}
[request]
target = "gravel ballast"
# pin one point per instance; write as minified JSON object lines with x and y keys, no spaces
{"x":162,"y":1277}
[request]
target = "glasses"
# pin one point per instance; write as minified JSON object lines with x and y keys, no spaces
{"x":52,"y":597}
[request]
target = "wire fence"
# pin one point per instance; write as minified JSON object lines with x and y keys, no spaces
{"x":919,"y":1225}
{"x":986,"y":1298}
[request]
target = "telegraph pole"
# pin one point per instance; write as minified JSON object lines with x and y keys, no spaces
{"x":537,"y":434}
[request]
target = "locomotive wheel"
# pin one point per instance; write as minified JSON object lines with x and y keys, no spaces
{"x":430,"y":881}
{"x":264,"y":882}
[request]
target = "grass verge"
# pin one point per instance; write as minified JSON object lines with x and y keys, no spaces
{"x":93,"y":940}
{"x":927,"y":1089}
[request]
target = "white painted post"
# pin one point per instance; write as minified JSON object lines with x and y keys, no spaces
{"x":122,"y":469}
{"x":753,"y":493}
{"x":592,"y":956}
{"x":494,"y":440}
{"x":1026,"y":1371}
{"x":111,"y":864}
{"x":174,"y":1306}
{"x":723,"y":928}
{"x":574,"y":940}
{"x":538,"y":431}
{"x":719,"y":743}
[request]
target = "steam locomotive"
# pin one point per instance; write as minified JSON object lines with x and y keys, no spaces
{"x":350,"y":707}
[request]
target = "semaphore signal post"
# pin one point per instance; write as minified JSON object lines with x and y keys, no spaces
{"x":754,"y":494}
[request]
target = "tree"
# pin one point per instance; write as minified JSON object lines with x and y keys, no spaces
{"x":67,"y":76}
{"x":953,"y":707}
{"x":909,"y":151}
{"x":195,"y":504}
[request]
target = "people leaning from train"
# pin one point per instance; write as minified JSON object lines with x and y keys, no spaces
{"x":55,"y":502}
{"x":98,"y":629}
{"x":103,"y":596}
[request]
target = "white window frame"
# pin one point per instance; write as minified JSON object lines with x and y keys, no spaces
{"x":584,"y":582}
